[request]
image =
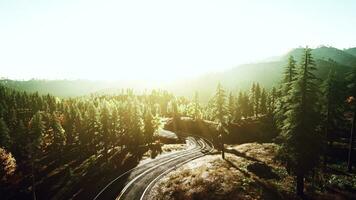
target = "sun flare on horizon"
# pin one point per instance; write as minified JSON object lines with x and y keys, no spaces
{"x":159,"y":41}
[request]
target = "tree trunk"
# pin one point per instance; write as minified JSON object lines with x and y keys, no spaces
{"x":351,"y":143}
{"x":300,"y":185}
{"x":222,"y":150}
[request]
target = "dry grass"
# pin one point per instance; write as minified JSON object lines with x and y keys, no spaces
{"x":249,"y":171}
{"x":236,"y":177}
{"x":263,"y":152}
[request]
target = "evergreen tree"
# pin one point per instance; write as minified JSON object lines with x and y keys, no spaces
{"x":12,"y":120}
{"x":115,"y":128}
{"x":231,"y":108}
{"x":150,"y":126}
{"x":90,"y":137}
{"x":37,"y":128}
{"x":21,"y":137}
{"x":105,"y":127}
{"x":239,"y":106}
{"x":58,"y":133}
{"x":220,"y":115}
{"x":290,"y":72}
{"x":5,"y":141}
{"x":196,"y":106}
{"x":289,"y":77}
{"x":173,"y":109}
{"x":302,"y":140}
{"x":252,"y":99}
{"x":272,"y":100}
{"x":36,"y":131}
{"x":333,"y":110}
{"x":263,"y":106}
{"x":256,"y":100}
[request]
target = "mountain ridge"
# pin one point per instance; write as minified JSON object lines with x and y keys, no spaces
{"x":267,"y":73}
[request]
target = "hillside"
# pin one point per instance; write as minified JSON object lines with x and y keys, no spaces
{"x":267,"y":73}
{"x":351,"y":51}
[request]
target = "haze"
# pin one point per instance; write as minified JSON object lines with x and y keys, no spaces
{"x":160,"y":40}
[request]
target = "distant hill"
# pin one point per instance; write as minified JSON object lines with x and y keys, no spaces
{"x":270,"y":73}
{"x":351,"y":51}
{"x":267,"y":73}
{"x":70,"y":88}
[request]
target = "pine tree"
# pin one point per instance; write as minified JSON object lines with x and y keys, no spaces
{"x":232,"y":108}
{"x":21,"y":137}
{"x":290,"y":72}
{"x":302,"y":140}
{"x":5,"y":141}
{"x":105,"y":127}
{"x":239,"y":107}
{"x":196,"y":106}
{"x":90,"y":137}
{"x":37,"y":128}
{"x":289,"y":77}
{"x":252,"y":99}
{"x":150,"y":126}
{"x":256,"y":100}
{"x":272,"y":100}
{"x":115,"y":128}
{"x":58,"y":133}
{"x":333,"y":98}
{"x":246,"y":106}
{"x":263,"y":106}
{"x":220,"y":115}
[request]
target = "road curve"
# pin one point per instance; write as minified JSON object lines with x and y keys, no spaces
{"x":136,"y":183}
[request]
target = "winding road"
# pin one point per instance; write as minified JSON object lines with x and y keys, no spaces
{"x":137,"y":182}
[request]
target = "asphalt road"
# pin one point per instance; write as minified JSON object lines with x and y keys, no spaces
{"x":137,"y":182}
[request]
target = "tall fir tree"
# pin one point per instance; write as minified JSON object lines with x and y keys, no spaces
{"x":36,"y":131}
{"x":150,"y":126}
{"x":333,"y":109}
{"x":302,"y":139}
{"x":257,"y":100}
{"x":196,"y":106}
{"x":252,"y":98}
{"x":239,"y":106}
{"x":263,"y":103}
{"x":21,"y":137}
{"x":289,"y":77}
{"x":5,"y":141}
{"x":221,"y":115}
{"x":58,"y":133}
{"x":231,"y":108}
{"x":105,"y":127}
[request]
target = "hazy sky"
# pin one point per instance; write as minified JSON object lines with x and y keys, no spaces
{"x":160,"y":40}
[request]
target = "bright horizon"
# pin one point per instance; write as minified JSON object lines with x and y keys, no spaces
{"x":160,"y":40}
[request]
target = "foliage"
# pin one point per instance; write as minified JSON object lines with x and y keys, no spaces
{"x":7,"y":165}
{"x":301,"y":128}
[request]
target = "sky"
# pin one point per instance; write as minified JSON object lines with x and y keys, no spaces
{"x":160,"y":40}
